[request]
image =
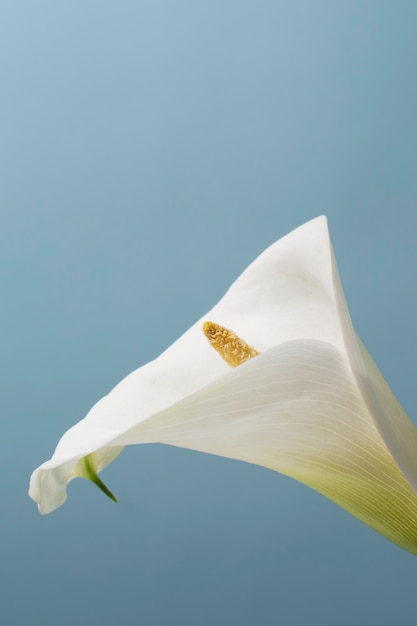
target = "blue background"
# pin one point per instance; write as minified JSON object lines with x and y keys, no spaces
{"x":149,"y":151}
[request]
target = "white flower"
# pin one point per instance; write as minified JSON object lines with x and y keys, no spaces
{"x":311,"y":404}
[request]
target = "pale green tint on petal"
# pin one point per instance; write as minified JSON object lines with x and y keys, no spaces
{"x":398,"y":432}
{"x":297,"y":409}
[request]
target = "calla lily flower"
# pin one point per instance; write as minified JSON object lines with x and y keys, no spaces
{"x":273,"y":375}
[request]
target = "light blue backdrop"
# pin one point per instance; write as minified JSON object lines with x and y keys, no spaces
{"x":149,"y":151}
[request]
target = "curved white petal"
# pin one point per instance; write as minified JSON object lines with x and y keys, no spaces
{"x":333,"y":424}
{"x":297,"y":410}
{"x":286,"y":293}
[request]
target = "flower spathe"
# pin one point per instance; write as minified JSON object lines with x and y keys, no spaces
{"x":310,"y":404}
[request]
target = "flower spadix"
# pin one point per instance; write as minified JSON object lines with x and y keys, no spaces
{"x":273,"y":375}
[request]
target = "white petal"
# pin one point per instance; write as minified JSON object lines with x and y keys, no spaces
{"x":313,"y":406}
{"x":48,"y":484}
{"x":297,"y":410}
{"x":286,"y":293}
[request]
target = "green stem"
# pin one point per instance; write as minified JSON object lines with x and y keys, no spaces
{"x":93,"y":476}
